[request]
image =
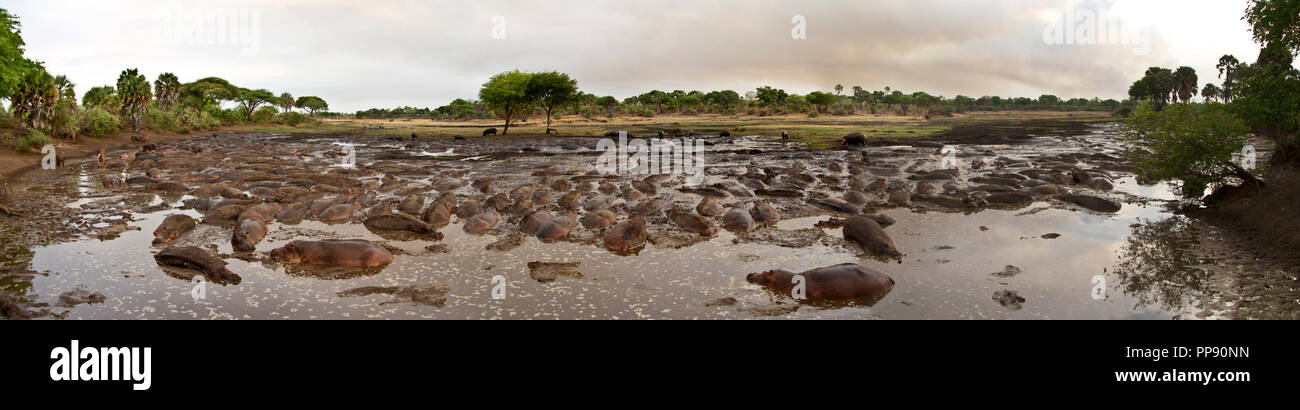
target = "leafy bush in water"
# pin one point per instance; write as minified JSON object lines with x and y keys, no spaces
{"x":33,"y":139}
{"x":100,"y":123}
{"x":1190,"y":143}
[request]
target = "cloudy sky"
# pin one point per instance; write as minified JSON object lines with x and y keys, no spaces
{"x":387,"y":53}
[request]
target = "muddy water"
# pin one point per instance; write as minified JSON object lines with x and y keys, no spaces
{"x":947,"y":272}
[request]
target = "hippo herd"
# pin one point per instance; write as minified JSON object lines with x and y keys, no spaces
{"x":246,"y":185}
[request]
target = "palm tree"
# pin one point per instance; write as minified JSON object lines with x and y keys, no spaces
{"x":133,"y":88}
{"x":839,"y":88}
{"x":167,"y":89}
{"x":34,"y":97}
{"x":66,"y":88}
{"x":1227,"y":66}
{"x":1210,"y":92}
{"x":286,"y":102}
{"x":1185,"y":82}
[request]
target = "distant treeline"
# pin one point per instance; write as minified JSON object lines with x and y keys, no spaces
{"x":762,"y":101}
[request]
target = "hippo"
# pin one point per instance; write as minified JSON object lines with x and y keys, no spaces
{"x":570,"y":200}
{"x":482,"y":222}
{"x":838,"y":282}
{"x":411,"y":204}
{"x":469,"y":208}
{"x":627,"y":236}
{"x":110,"y":181}
{"x":737,"y":220}
{"x":607,"y":188}
{"x":598,"y":219}
{"x":764,"y":213}
{"x":693,"y":223}
{"x":141,"y":179}
{"x":835,"y":205}
{"x":247,"y":234}
{"x":194,"y":258}
{"x":333,"y":252}
{"x":709,"y":207}
{"x":489,"y":131}
{"x":854,"y":138}
{"x":724,"y":134}
{"x":868,"y":233}
{"x":1092,"y":203}
{"x":340,"y":212}
{"x":292,"y":214}
{"x":523,"y":192}
{"x":438,"y":214}
{"x":1011,"y":198}
{"x":264,"y":212}
{"x":558,"y":227}
{"x":498,"y":202}
{"x":400,"y":222}
{"x":172,"y":227}
{"x":223,"y":214}
{"x":531,"y":223}
{"x":543,"y":197}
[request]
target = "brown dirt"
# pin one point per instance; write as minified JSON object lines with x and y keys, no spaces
{"x":1268,"y":221}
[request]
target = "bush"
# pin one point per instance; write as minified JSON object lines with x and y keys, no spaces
{"x":1123,"y":112}
{"x":158,"y":119}
{"x":1193,"y":144}
{"x":265,"y":114}
{"x":292,"y":119}
{"x":100,"y":123}
{"x":68,"y":119}
{"x":33,"y":139}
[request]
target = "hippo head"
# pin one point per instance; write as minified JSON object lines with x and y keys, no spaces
{"x":287,"y":253}
{"x":769,"y":278}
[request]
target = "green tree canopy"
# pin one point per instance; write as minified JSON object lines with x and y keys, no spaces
{"x":507,"y":95}
{"x":312,"y":104}
{"x":551,"y":89}
{"x":133,"y":92}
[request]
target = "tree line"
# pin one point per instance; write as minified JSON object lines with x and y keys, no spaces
{"x":46,"y":105}
{"x":515,"y":96}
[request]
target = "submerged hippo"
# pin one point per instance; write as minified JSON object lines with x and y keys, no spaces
{"x":438,"y":214}
{"x":489,"y":131}
{"x":194,"y":258}
{"x":838,"y":282}
{"x":693,"y":223}
{"x":334,"y":252}
{"x":247,"y":234}
{"x":764,"y":213}
{"x":627,"y":236}
{"x":868,"y":233}
{"x":737,"y":220}
{"x":340,"y":212}
{"x":401,"y":222}
{"x":172,"y":227}
{"x":530,"y":224}
{"x":710,"y":207}
{"x":598,"y":219}
{"x":482,"y":222}
{"x":558,"y":227}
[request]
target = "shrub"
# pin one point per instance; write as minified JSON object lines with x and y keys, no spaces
{"x":33,"y":139}
{"x":1123,"y":112}
{"x":292,"y":119}
{"x":159,"y":119}
{"x":68,"y":119}
{"x":1190,"y":143}
{"x":100,"y":123}
{"x":265,"y":114}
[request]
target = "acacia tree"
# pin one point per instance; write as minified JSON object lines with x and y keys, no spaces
{"x":133,"y":88}
{"x":609,"y":102}
{"x":312,"y":104}
{"x":208,"y":91}
{"x":507,"y":94}
{"x":552,"y":89}
{"x":1193,"y":144}
{"x":250,"y":99}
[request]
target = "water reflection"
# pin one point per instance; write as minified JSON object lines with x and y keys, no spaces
{"x":1158,"y":265}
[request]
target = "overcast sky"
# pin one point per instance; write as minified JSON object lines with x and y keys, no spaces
{"x":378,"y":53}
